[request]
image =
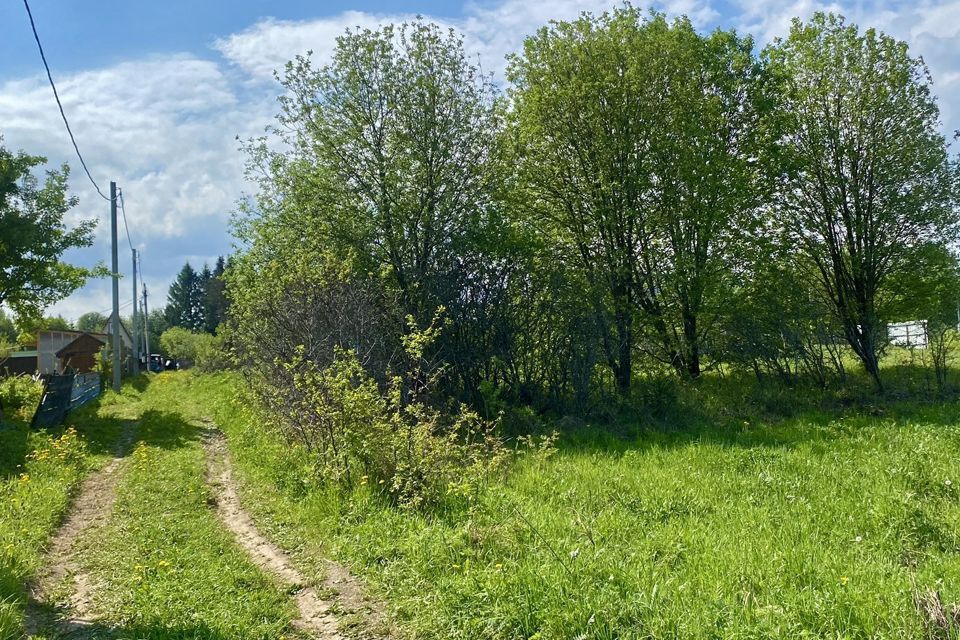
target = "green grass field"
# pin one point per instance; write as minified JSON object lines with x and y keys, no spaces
{"x":825,"y":524}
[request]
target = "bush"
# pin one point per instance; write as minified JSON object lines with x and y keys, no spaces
{"x":388,"y":437}
{"x":189,"y":347}
{"x":19,"y":397}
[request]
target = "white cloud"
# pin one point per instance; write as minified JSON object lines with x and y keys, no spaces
{"x":164,"y":127}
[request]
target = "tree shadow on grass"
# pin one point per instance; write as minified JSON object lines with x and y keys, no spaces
{"x":53,"y":622}
{"x":730,"y":414}
{"x":169,"y":430}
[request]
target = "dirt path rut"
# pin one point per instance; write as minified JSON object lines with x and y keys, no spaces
{"x":90,"y":508}
{"x":319,"y":617}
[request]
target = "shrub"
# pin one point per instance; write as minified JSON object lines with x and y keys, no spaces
{"x":388,"y":436}
{"x":189,"y":347}
{"x":19,"y":397}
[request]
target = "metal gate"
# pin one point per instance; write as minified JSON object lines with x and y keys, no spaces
{"x":61,"y":393}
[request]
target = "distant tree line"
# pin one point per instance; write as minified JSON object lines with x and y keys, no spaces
{"x":642,"y":199}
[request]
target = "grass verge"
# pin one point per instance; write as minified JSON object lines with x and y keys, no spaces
{"x":39,"y":472}
{"x":820,"y":525}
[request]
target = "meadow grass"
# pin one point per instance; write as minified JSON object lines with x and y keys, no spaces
{"x":824,"y":524}
{"x":39,"y":472}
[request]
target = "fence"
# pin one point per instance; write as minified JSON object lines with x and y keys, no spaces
{"x":62,"y":393}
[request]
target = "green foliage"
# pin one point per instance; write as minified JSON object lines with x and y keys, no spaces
{"x":33,"y":236}
{"x":652,"y":194}
{"x":636,"y":150}
{"x":92,"y":321}
{"x":189,"y":347}
{"x":19,"y":398}
{"x":866,"y":178}
{"x":391,"y":439}
{"x":8,"y":329}
{"x":215,"y":301}
{"x":185,"y":301}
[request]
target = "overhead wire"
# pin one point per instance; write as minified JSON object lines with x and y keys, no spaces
{"x":56,"y":95}
{"x":123,"y":211}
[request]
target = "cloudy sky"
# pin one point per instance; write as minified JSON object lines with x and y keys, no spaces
{"x":157,"y":92}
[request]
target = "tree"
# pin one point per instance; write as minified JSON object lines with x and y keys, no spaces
{"x":185,"y":300}
{"x":93,"y":321}
{"x":636,"y":156}
{"x":185,"y":345}
{"x":390,"y":141}
{"x":34,"y":237}
{"x":156,"y":325}
{"x":866,"y":173}
{"x":215,"y":302}
{"x":8,"y":329}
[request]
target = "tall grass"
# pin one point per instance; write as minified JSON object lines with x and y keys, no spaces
{"x":816,"y":519}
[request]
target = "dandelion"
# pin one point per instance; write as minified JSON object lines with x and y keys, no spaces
{"x":498,"y":567}
{"x":858,"y":539}
{"x":844,"y":579}
{"x":948,"y":482}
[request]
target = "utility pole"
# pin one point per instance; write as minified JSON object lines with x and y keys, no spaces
{"x":135,"y":360}
{"x":146,"y":325}
{"x":116,"y":287}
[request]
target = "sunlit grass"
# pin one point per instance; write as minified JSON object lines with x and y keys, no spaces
{"x":39,"y":472}
{"x":820,"y":525}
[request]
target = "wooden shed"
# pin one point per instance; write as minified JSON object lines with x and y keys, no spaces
{"x":81,"y":354}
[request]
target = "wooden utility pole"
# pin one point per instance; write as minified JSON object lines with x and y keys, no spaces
{"x":117,"y":346}
{"x":135,"y":360}
{"x":146,"y":326}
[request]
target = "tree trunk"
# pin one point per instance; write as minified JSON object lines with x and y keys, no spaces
{"x":624,"y":369}
{"x":692,"y":346}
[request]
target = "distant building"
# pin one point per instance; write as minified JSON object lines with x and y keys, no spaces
{"x":56,"y":350}
{"x":19,"y":363}
{"x":911,"y":334}
{"x":81,"y":355}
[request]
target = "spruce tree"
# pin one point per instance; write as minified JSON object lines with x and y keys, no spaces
{"x":214,"y":297}
{"x":185,"y":300}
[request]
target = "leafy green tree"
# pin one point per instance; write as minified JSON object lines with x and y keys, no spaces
{"x":636,"y":153}
{"x":34,"y":237}
{"x":867,"y":177}
{"x":390,"y":141}
{"x":156,"y":325}
{"x":185,"y":300}
{"x":92,"y":321}
{"x":8,"y":329}
{"x":184,"y":345}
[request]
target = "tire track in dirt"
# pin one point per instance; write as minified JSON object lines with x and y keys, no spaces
{"x":319,"y":617}
{"x":91,"y":508}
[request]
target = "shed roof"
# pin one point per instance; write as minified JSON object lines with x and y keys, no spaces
{"x":85,"y":343}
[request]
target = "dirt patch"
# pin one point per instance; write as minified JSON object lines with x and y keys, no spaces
{"x":90,"y":508}
{"x":320,"y":617}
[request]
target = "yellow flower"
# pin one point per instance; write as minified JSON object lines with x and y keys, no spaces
{"x":844,"y":579}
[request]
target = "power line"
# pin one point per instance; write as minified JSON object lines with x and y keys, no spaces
{"x":56,"y":95}
{"x":124,"y":212}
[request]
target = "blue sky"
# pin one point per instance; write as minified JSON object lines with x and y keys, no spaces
{"x":157,"y":92}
